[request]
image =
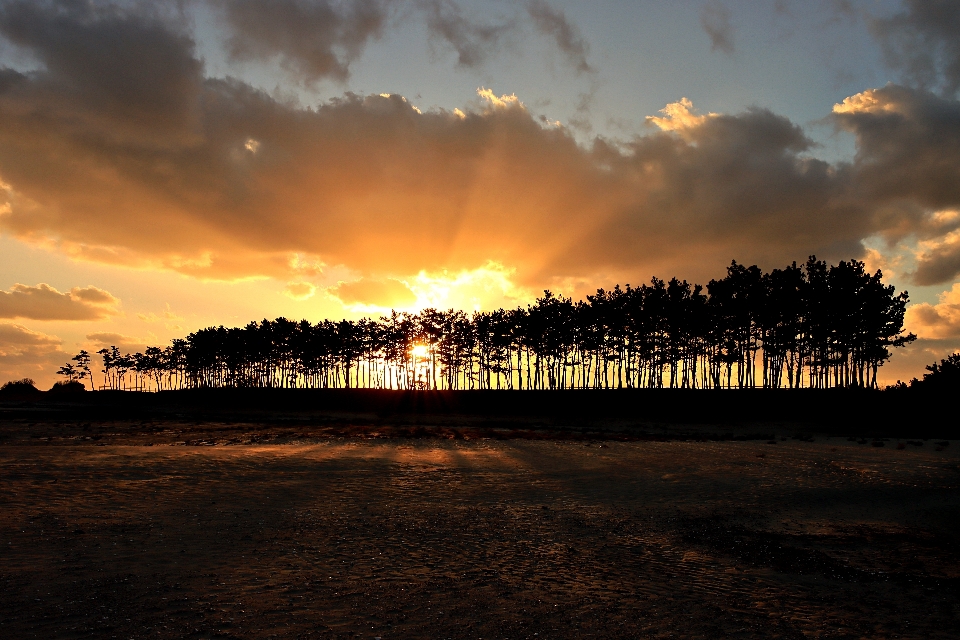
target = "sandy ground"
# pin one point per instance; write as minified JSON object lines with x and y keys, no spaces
{"x":432,"y":538}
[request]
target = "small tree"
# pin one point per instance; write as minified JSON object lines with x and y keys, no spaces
{"x":83,"y":367}
{"x":68,"y":371}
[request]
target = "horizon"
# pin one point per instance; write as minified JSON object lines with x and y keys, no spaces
{"x":166,"y":167}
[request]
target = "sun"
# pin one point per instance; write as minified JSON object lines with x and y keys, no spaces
{"x":419,"y":350}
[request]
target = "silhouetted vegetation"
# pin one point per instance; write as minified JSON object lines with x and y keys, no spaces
{"x":941,"y":376}
{"x":803,"y":326}
{"x":67,"y":386}
{"x":77,"y":372}
{"x":24,"y":386}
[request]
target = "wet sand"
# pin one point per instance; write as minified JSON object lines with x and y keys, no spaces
{"x":439,"y":538}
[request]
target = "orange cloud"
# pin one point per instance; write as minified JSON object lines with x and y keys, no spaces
{"x":300,"y":290}
{"x":487,"y":287}
{"x":367,"y":293}
{"x":679,"y":116}
{"x":106,"y":339}
{"x":43,"y":302}
{"x":169,"y":319}
{"x":24,"y":352}
{"x":151,"y":164}
{"x":937,"y":321}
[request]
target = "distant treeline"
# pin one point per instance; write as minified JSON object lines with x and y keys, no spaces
{"x":803,"y":326}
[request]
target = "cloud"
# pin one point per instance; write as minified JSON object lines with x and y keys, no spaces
{"x":715,"y":20}
{"x":300,"y":290}
{"x":169,"y":319}
{"x":908,"y":143}
{"x":43,"y":302}
{"x":25,"y":353}
{"x":923,"y":44}
{"x":487,"y":287}
{"x":107,"y":339}
{"x":372,"y":184}
{"x":909,"y":362}
{"x":15,"y":336}
{"x":939,"y":260}
{"x":111,"y":67}
{"x":387,"y":293}
{"x":495,"y":101}
{"x":319,"y":39}
{"x":937,"y":321}
{"x":908,"y":168}
{"x":313,"y":39}
{"x":680,"y":117}
{"x":472,"y":41}
{"x":553,"y":23}
{"x":166,"y":316}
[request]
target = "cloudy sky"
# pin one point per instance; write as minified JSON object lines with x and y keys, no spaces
{"x":169,"y":166}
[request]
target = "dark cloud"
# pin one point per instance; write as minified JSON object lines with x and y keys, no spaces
{"x":43,"y":302}
{"x":553,"y":23}
{"x":473,"y":41}
{"x":908,"y":162}
{"x":123,"y":66}
{"x":314,"y":39}
{"x":923,"y":43}
{"x":715,"y":20}
{"x":249,"y":186}
{"x":908,"y":144}
{"x":940,"y":263}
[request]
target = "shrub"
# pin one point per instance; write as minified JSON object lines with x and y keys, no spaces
{"x":24,"y":385}
{"x":67,"y":386}
{"x":942,"y":375}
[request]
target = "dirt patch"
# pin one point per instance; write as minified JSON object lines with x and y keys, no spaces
{"x":299,"y":533}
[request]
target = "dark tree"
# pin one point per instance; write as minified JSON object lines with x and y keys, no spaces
{"x":816,"y":325}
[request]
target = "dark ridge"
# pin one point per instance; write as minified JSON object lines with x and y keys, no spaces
{"x":901,"y":413}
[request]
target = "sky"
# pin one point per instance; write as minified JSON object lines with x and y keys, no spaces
{"x":166,"y":166}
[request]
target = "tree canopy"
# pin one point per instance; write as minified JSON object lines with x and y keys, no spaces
{"x":813,"y":325}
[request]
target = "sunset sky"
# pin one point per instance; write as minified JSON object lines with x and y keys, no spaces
{"x":170,"y":166}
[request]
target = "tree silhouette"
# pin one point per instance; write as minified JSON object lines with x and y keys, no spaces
{"x":814,"y":325}
{"x":941,"y":376}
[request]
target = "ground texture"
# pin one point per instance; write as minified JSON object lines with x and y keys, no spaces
{"x":199,"y":531}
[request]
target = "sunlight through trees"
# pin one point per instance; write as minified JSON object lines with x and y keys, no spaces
{"x":803,"y":326}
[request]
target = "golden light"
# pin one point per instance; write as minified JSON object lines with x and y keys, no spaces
{"x":419,"y":350}
{"x":486,"y":287}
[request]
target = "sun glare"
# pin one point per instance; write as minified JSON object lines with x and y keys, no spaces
{"x":487,"y":287}
{"x":419,"y":350}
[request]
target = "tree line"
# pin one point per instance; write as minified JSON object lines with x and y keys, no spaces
{"x":814,"y":325}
